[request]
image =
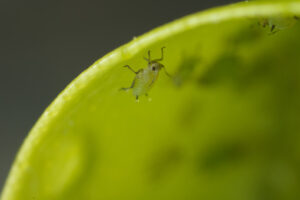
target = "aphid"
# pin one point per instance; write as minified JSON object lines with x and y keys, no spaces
{"x":276,"y":24}
{"x":145,"y":78}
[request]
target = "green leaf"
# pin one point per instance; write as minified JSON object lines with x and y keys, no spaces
{"x":226,"y":126}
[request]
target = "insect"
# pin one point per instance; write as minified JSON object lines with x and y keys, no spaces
{"x":278,"y":23}
{"x":145,"y":78}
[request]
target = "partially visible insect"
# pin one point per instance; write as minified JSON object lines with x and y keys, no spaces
{"x":278,"y":23}
{"x":145,"y":78}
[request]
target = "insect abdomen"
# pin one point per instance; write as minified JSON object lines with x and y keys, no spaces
{"x":144,"y":82}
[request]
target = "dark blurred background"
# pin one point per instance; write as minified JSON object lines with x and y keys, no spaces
{"x":46,"y":44}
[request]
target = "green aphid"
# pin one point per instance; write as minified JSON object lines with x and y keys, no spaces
{"x":145,"y":78}
{"x":276,"y":24}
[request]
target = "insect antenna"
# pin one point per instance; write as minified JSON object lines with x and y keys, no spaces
{"x":162,"y":55}
{"x":149,"y":57}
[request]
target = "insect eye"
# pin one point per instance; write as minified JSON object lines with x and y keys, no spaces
{"x":153,"y":68}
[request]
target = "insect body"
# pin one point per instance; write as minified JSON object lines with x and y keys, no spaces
{"x":145,"y":78}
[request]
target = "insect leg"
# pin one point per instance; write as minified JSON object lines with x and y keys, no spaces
{"x":162,"y":55}
{"x":167,"y":73}
{"x":149,"y":57}
{"x":265,"y":23}
{"x":132,"y":85}
{"x":273,"y":28}
{"x":149,"y":98}
{"x":130,"y":69}
{"x":125,"y":89}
